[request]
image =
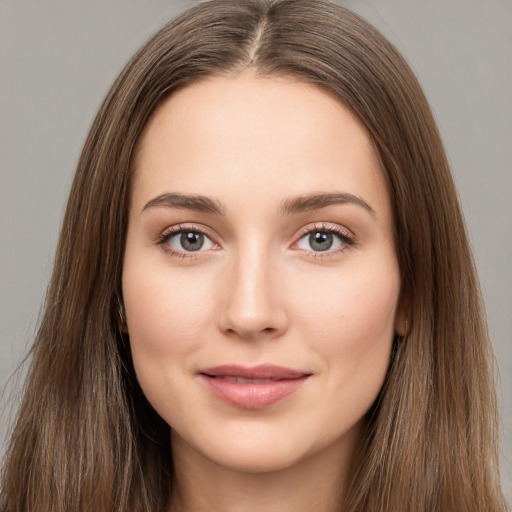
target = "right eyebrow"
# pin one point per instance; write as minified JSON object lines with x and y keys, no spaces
{"x":186,"y":202}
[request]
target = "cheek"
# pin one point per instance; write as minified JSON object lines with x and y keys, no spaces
{"x":352,"y":326}
{"x":352,"y":332}
{"x":356,"y":305}
{"x":166,"y":316}
{"x":163,"y":309}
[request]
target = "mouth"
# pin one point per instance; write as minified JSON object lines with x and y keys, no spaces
{"x":252,"y":387}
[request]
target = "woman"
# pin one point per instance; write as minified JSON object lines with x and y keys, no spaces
{"x":263,"y":266}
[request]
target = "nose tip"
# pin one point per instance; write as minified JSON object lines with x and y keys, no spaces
{"x":251,"y":318}
{"x":253,"y":308}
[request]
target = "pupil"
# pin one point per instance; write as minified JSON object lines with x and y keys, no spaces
{"x":320,"y":241}
{"x":192,"y":241}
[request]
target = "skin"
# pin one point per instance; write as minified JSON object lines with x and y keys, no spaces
{"x":257,"y":291}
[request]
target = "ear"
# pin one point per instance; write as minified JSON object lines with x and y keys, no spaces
{"x":123,"y":327}
{"x":121,"y":317}
{"x":402,"y":323}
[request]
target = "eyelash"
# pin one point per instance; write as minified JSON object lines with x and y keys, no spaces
{"x":176,"y":230}
{"x":342,"y":234}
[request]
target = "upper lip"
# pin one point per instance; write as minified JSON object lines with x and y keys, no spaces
{"x":263,"y":371}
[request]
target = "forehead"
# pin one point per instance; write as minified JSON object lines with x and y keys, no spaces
{"x":225,"y":136}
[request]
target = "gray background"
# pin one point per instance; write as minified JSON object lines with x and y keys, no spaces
{"x":58,"y":58}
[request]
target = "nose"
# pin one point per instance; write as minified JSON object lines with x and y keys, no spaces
{"x":253,"y":304}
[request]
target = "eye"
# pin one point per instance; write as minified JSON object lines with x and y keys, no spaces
{"x":324,"y":239}
{"x":190,"y":241}
{"x":186,"y":240}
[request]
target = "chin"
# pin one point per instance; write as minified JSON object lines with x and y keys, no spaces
{"x":266,"y":448}
{"x":257,"y":457}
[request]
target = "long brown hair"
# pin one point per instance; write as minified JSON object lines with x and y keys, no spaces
{"x":86,"y":439}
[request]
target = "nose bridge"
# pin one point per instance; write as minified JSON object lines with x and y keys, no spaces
{"x":253,"y":305}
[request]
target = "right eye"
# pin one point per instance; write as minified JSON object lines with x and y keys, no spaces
{"x":182,"y":241}
{"x":190,"y":241}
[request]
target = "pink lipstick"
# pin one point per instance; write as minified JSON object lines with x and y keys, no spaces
{"x":252,"y":387}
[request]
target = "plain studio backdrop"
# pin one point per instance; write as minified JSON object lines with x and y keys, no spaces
{"x":59,"y":57}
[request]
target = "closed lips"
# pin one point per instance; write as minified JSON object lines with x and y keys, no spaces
{"x":252,"y":388}
{"x":242,"y":380}
{"x":261,"y":372}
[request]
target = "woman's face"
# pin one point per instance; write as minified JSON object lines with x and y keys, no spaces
{"x":260,"y":277}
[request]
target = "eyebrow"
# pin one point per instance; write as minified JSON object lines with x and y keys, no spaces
{"x":312,"y":202}
{"x":292,"y":205}
{"x":187,"y":202}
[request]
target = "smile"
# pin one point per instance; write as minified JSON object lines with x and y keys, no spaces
{"x":252,"y":388}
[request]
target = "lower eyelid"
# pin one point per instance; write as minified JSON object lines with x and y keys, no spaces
{"x":180,"y":254}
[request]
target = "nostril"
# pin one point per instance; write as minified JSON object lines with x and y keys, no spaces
{"x":248,"y":333}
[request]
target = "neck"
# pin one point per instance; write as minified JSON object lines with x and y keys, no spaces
{"x":315,"y":483}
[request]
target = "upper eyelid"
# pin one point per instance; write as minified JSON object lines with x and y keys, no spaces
{"x":323,"y":226}
{"x":171,"y":230}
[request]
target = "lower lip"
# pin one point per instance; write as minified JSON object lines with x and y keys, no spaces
{"x":252,"y":395}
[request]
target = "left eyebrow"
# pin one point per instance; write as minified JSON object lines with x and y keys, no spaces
{"x":311,"y":202}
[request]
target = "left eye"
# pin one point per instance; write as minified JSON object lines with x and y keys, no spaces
{"x":321,"y":241}
{"x":190,"y":241}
